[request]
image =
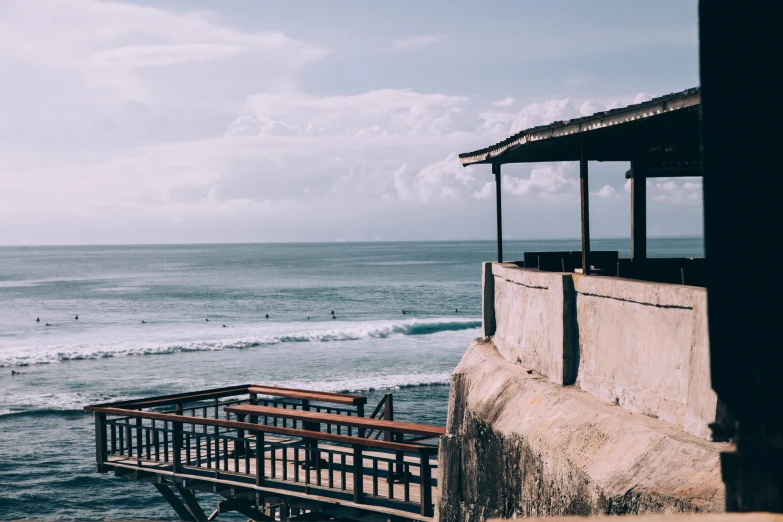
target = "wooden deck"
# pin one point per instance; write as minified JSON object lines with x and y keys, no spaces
{"x":283,"y":467}
{"x":319,"y":454}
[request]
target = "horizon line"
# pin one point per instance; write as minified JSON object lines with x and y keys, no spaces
{"x":370,"y":241}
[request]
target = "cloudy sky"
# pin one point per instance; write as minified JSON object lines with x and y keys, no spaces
{"x":188,"y":121}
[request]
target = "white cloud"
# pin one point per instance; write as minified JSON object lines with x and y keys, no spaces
{"x":642,"y":97}
{"x":412,"y":43}
{"x":163,"y":55}
{"x":446,"y":180}
{"x":679,"y":191}
{"x":547,"y":181}
{"x":590,"y":107}
{"x":505,"y":102}
{"x":375,"y":113}
{"x":543,"y":113}
{"x":607,"y":192}
{"x":540,"y":113}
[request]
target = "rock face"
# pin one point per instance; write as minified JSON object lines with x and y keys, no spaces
{"x":518,"y":444}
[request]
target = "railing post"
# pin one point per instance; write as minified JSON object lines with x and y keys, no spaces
{"x":425,"y":475}
{"x":388,"y":414}
{"x":139,"y":444}
{"x":260,"y":462}
{"x":311,"y":445}
{"x":100,"y":442}
{"x":176,"y":443}
{"x":358,"y":474}
{"x":253,"y":401}
{"x":239,"y":444}
{"x":360,"y":413}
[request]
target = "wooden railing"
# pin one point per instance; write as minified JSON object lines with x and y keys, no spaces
{"x":304,"y":442}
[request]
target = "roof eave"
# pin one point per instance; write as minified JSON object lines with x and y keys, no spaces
{"x":493,"y":154}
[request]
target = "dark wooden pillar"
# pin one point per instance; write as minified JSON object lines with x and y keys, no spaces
{"x":638,"y":210}
{"x":584,"y":192}
{"x":739,"y":42}
{"x":496,"y":172}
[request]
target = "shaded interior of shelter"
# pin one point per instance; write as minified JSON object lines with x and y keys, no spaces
{"x":659,"y":138}
{"x":678,"y":270}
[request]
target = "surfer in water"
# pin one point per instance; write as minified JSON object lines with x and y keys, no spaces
{"x":14,"y":372}
{"x":404,"y":312}
{"x":37,"y":319}
{"x":143,"y":321}
{"x":207,"y":319}
{"x":267,"y":316}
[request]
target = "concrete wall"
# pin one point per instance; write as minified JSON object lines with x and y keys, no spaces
{"x":645,"y":347}
{"x":638,"y":344}
{"x":518,"y":444}
{"x":534,"y":320}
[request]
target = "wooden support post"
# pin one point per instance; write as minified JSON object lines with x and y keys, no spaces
{"x":260,"y":462}
{"x":388,"y":414}
{"x":190,"y":501}
{"x":239,"y":444}
{"x":176,"y":444}
{"x":358,"y":474}
{"x":139,"y":443}
{"x":174,"y":502}
{"x":100,"y":442}
{"x":498,"y":210}
{"x":360,"y":413}
{"x":585,"y":198}
{"x":426,"y":484}
{"x":638,"y":210}
{"x":254,"y":402}
{"x":243,"y":507}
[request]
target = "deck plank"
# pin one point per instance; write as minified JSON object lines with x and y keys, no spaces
{"x":290,"y":471}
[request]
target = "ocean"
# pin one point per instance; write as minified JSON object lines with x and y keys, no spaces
{"x":162,"y":319}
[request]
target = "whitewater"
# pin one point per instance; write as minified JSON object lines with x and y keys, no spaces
{"x":54,"y":353}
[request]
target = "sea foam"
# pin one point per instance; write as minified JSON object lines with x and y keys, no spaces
{"x":55,"y":353}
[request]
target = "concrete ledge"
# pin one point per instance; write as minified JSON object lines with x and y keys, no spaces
{"x":645,"y":346}
{"x":519,"y":445}
{"x":641,"y":345}
{"x":534,"y":320}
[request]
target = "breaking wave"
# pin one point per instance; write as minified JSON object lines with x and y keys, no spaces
{"x":376,"y":330}
{"x":72,"y":403}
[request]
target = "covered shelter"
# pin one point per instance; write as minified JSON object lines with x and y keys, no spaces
{"x":659,"y":138}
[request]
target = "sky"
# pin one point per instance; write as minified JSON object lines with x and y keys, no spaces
{"x":255,"y":121}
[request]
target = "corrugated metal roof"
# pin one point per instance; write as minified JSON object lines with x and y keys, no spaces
{"x":648,"y":109}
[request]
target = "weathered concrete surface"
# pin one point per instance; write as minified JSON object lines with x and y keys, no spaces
{"x":517,"y":444}
{"x":638,"y":344}
{"x":644,"y":346}
{"x":535,"y":320}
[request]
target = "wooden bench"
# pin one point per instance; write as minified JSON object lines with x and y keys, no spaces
{"x":314,"y":418}
{"x":310,"y":395}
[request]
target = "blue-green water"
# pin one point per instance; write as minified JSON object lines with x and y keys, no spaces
{"x":371,"y":347}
